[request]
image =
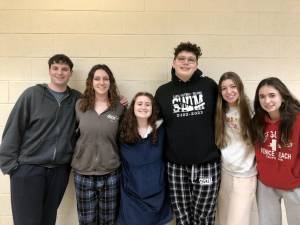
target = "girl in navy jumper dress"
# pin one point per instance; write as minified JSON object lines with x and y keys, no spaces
{"x":143,"y":184}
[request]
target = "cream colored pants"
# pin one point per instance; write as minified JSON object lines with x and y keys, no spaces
{"x":236,"y":197}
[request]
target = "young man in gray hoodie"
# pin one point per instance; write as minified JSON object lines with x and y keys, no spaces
{"x":37,"y":146}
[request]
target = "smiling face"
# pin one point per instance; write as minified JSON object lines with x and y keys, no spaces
{"x":101,"y":83}
{"x":185,"y":64}
{"x":60,"y":74}
{"x":230,"y":92}
{"x":142,"y":107}
{"x":270,"y":100}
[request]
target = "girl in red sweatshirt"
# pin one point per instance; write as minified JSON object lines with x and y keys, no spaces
{"x":277,"y":148}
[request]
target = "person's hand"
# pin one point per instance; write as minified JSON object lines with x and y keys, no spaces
{"x":123,"y":101}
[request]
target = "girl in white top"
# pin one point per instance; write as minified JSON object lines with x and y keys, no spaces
{"x":233,"y":129}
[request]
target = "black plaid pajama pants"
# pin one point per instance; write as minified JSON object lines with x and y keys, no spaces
{"x":194,"y":191}
{"x":97,"y":198}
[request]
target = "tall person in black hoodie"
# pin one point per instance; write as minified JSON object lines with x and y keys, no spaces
{"x":187,"y":105}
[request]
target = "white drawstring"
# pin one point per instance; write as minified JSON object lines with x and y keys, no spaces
{"x":192,"y":175}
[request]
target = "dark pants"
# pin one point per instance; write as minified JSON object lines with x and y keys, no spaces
{"x":36,"y":193}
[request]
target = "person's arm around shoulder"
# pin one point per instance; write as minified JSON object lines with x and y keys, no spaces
{"x":13,"y":133}
{"x":123,"y":101}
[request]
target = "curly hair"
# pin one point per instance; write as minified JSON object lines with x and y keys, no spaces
{"x":88,"y":98}
{"x":129,"y":125}
{"x":289,"y":108}
{"x":243,"y":107}
{"x":189,"y":47}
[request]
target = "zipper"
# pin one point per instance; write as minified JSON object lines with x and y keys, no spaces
{"x":57,"y":128}
{"x":54,"y":154}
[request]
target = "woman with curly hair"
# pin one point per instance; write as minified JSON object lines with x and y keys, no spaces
{"x":96,"y":157}
{"x":143,"y":187}
{"x":277,"y":148}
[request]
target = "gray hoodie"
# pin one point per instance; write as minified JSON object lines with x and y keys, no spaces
{"x":39,"y":130}
{"x":96,"y":151}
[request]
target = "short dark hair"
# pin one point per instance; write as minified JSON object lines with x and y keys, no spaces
{"x":60,"y":58}
{"x":189,"y":47}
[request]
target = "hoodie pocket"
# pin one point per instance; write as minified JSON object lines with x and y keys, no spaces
{"x":78,"y":150}
{"x":30,"y":150}
{"x":83,"y":158}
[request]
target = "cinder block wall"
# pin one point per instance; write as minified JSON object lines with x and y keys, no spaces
{"x":136,"y":38}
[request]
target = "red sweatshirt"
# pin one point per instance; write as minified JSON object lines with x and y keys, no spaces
{"x":279,"y":166}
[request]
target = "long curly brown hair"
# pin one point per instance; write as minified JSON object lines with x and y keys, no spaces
{"x":88,"y":98}
{"x":129,"y":126}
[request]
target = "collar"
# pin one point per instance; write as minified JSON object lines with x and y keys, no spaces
{"x":149,"y":129}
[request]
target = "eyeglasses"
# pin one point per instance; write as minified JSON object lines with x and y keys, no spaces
{"x":190,"y":60}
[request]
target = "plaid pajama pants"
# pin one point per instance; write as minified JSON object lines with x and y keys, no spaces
{"x":97,"y":198}
{"x":193,"y":191}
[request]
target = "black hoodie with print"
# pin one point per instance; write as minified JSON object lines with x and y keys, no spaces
{"x":188,"y":110}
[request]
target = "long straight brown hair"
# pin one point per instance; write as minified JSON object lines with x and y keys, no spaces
{"x":222,"y":108}
{"x":289,"y":108}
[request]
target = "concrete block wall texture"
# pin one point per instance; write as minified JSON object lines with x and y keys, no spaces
{"x":256,"y":39}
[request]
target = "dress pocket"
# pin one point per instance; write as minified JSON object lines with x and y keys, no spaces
{"x":147,"y":180}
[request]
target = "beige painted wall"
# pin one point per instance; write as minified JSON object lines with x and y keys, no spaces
{"x":256,"y":38}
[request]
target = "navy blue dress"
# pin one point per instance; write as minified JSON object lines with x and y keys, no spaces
{"x":144,"y":200}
